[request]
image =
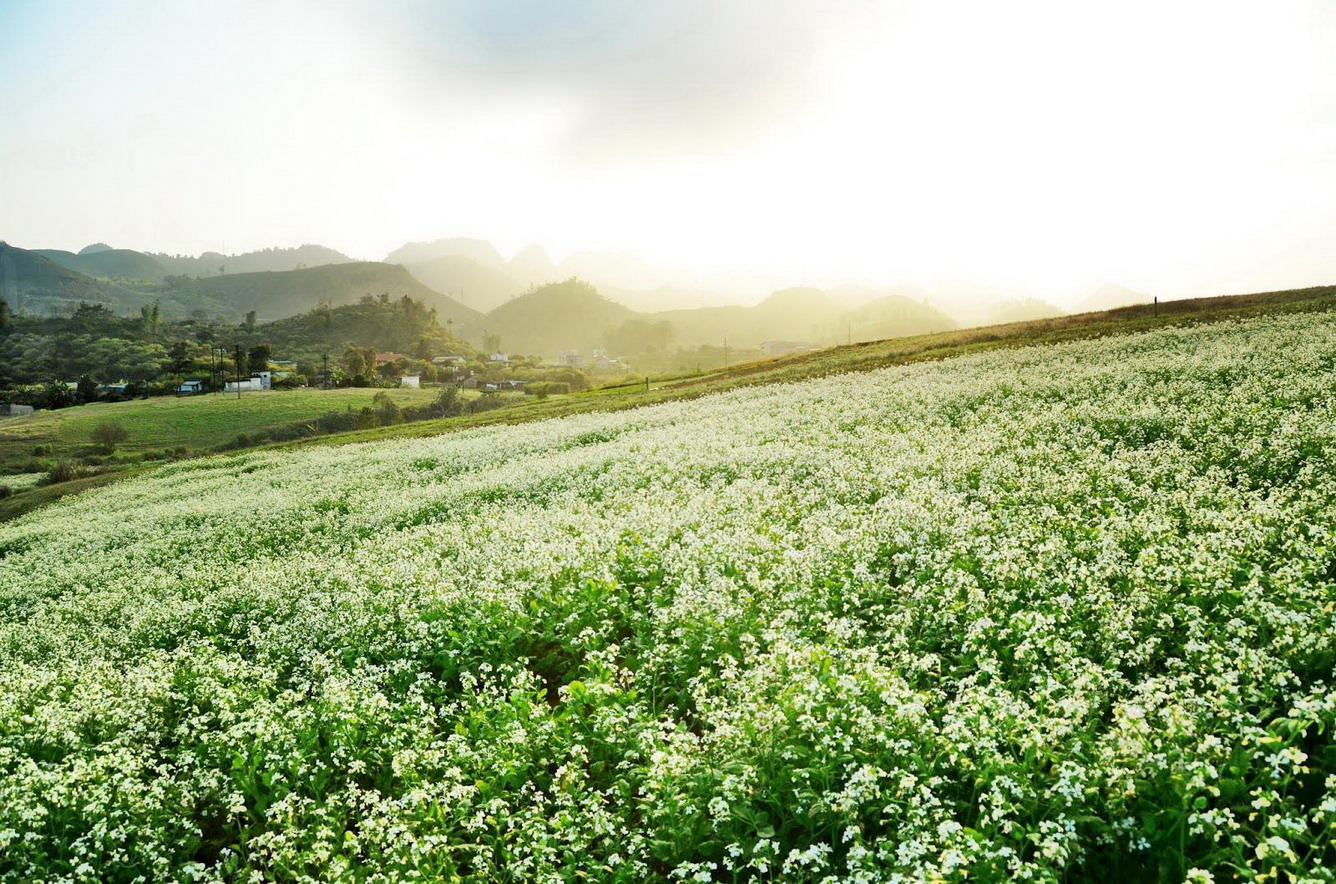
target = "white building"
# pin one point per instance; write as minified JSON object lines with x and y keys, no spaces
{"x":261,"y":380}
{"x":413,"y":381}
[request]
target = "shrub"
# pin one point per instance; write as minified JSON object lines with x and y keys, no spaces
{"x":63,"y":471}
{"x":108,"y":434}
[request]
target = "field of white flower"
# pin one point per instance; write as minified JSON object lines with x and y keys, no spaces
{"x":1062,"y":613}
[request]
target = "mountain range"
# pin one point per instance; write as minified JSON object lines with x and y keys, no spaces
{"x":522,"y":300}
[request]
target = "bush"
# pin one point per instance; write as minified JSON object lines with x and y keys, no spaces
{"x":6,"y":491}
{"x":486,"y":402}
{"x":108,"y":434}
{"x":63,"y":471}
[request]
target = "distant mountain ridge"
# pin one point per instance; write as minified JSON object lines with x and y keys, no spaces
{"x":104,"y":262}
{"x":278,"y":294}
{"x":33,"y":283}
{"x":270,"y":260}
{"x":108,"y":263}
{"x":572,"y":315}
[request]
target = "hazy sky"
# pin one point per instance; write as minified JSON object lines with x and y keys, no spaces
{"x":1175,"y":147}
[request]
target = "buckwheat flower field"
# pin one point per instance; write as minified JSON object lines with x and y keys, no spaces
{"x":1056,"y":614}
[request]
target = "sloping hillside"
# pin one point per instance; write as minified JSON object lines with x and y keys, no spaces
{"x":570,"y":315}
{"x":261,"y":260}
{"x":109,"y":263}
{"x":796,"y":314}
{"x":480,"y":286}
{"x":889,"y":317}
{"x":275,"y":295}
{"x":476,"y":250}
{"x":32,"y":283}
{"x":1013,"y":610}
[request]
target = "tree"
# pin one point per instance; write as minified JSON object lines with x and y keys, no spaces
{"x":250,"y":320}
{"x":57,"y":395}
{"x":4,"y":314}
{"x":86,"y":388}
{"x":354,"y":362}
{"x":149,"y":315}
{"x":491,"y":342}
{"x":258,"y":357}
{"x":108,"y":434}
{"x":181,"y":358}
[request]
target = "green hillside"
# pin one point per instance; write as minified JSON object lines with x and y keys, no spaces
{"x":401,"y":326}
{"x":887,"y":317}
{"x":1059,"y":609}
{"x":570,"y":315}
{"x":273,"y":295}
{"x":262,"y":260}
{"x":32,"y":283}
{"x":109,"y":263}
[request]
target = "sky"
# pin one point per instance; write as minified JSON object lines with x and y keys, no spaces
{"x":1039,"y":148}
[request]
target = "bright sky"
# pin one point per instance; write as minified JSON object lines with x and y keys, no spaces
{"x":1045,"y":147}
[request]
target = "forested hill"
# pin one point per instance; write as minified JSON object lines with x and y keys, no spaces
{"x":43,"y":283}
{"x":32,"y":283}
{"x":276,"y":295}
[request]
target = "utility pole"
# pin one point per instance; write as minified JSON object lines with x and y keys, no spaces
{"x":1157,"y":305}
{"x":725,"y":352}
{"x":324,"y":360}
{"x":238,"y":365}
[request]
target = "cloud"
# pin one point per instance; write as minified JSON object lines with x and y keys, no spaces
{"x":656,"y":77}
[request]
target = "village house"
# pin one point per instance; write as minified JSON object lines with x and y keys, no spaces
{"x":262,"y":380}
{"x":189,"y":388}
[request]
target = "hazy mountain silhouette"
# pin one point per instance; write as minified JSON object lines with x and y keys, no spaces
{"x":532,"y":266}
{"x":562,"y":316}
{"x":1110,"y":296}
{"x":480,"y":286}
{"x":32,"y":283}
{"x":274,"y":295}
{"x":889,"y":316}
{"x":1021,"y":310}
{"x":273,"y":259}
{"x":478,"y":250}
{"x":108,"y":263}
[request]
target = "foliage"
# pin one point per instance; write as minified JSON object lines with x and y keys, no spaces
{"x":108,"y":434}
{"x":63,"y":471}
{"x":1059,"y":613}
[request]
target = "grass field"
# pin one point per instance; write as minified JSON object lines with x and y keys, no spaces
{"x":196,"y":424}
{"x":199,"y":423}
{"x":1051,"y":613}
